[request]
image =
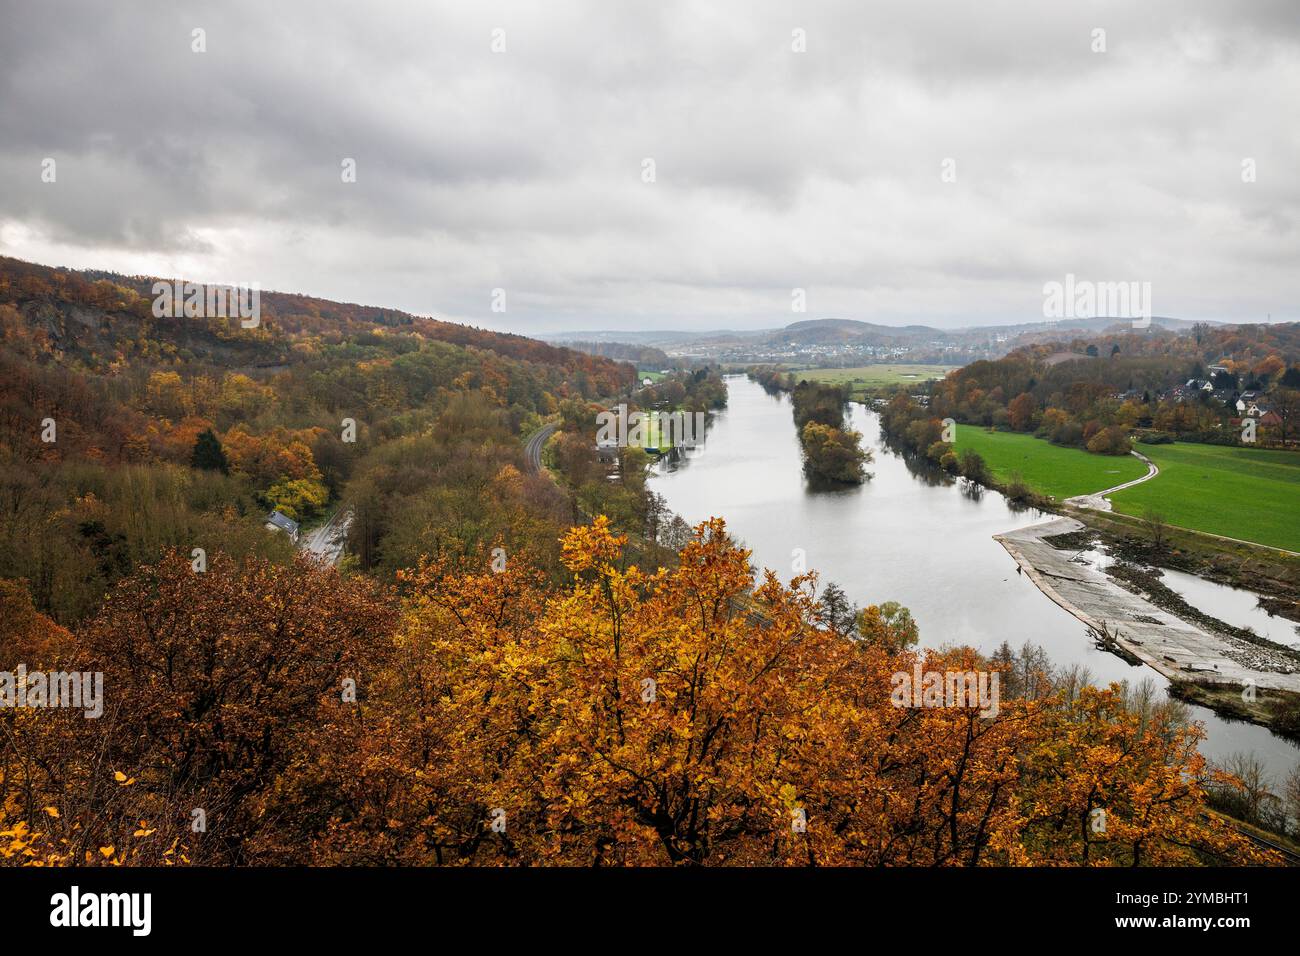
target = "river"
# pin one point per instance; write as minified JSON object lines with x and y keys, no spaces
{"x":906,"y":535}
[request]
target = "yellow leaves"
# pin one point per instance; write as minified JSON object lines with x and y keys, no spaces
{"x":18,"y":836}
{"x":506,"y":692}
{"x":591,"y":546}
{"x":789,"y":796}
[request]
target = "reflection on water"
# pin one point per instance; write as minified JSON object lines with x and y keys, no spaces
{"x":1232,"y":606}
{"x":911,"y":534}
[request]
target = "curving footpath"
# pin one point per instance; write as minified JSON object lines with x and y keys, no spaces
{"x":1098,"y":501}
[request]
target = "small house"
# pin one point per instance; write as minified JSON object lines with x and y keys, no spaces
{"x":278,"y":522}
{"x":1248,"y":401}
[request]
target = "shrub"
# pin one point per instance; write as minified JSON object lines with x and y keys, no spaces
{"x":972,"y":465}
{"x":1112,"y":440}
{"x":1017,"y":489}
{"x":1156,"y":438}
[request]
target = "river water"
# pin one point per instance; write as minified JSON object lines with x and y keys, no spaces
{"x":907,"y":535}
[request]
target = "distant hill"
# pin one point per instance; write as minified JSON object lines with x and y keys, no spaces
{"x":918,"y":342}
{"x":844,"y":330}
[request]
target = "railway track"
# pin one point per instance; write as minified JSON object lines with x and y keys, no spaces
{"x":533,"y":448}
{"x":1291,"y":856}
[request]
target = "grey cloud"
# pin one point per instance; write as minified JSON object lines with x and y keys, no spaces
{"x":774,"y":169}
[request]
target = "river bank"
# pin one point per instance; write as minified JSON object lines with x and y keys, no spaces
{"x":1135,"y":615}
{"x":1181,"y":651}
{"x":910,"y":534}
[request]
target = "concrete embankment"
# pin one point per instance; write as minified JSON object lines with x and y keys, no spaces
{"x":1175,"y":648}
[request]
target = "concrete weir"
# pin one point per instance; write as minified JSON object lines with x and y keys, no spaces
{"x":1175,"y":648}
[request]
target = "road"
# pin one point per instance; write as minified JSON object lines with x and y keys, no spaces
{"x":327,"y":542}
{"x":533,"y":450}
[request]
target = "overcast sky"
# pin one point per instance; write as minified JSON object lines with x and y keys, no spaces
{"x":524,"y":170}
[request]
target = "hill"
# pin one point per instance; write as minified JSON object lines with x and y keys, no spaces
{"x":839,"y":342}
{"x":123,"y":432}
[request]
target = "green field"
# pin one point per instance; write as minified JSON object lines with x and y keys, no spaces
{"x":656,"y":437}
{"x":1247,"y":493}
{"x":865,"y":377}
{"x":1048,"y":469}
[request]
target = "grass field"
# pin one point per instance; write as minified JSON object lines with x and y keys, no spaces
{"x":656,"y":437}
{"x":1247,"y":493}
{"x":864,"y":377}
{"x":1048,"y":469}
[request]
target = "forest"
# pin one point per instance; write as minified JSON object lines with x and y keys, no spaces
{"x":511,"y":666}
{"x":1092,"y":393}
{"x":435,"y":409}
{"x":468,"y":715}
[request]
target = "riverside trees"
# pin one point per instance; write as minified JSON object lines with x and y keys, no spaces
{"x":832,"y":453}
{"x":691,"y":716}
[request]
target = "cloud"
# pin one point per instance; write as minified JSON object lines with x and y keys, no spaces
{"x":773,"y":169}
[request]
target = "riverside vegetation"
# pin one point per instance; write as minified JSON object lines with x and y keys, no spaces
{"x":491,"y":677}
{"x":832,"y":454}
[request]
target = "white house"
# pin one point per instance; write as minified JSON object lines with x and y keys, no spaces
{"x":278,"y":522}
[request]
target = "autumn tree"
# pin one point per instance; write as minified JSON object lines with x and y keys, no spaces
{"x":695,"y":715}
{"x":214,"y":682}
{"x":889,"y":626}
{"x":692,"y":716}
{"x":1020,"y":411}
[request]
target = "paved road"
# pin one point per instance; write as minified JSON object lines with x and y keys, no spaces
{"x":533,"y":450}
{"x":327,"y":541}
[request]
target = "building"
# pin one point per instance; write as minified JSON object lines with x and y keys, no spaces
{"x":278,"y":522}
